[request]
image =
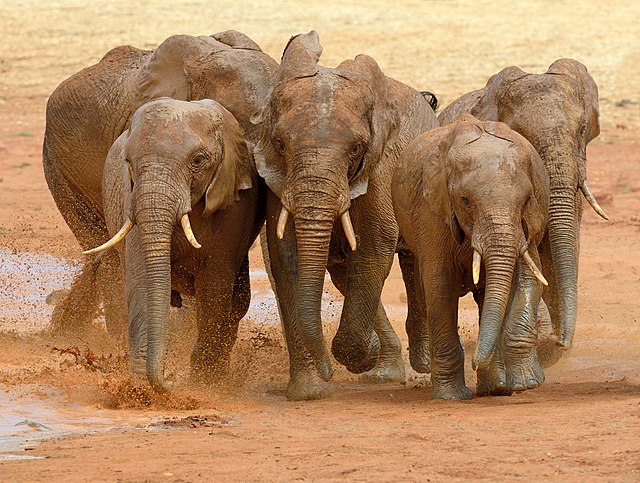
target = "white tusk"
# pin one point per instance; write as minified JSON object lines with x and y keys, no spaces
{"x":477,"y":259}
{"x":186,"y":227}
{"x":117,"y":238}
{"x":536,"y":271}
{"x":348,"y":230}
{"x":282,"y":222}
{"x":584,"y":187}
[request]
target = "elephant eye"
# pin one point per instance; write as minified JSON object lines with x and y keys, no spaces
{"x":357,"y":149}
{"x":199,"y":160}
{"x":464,"y":200}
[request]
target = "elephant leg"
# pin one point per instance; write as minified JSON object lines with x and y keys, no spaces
{"x":520,"y":332}
{"x":110,"y":281}
{"x":79,"y":307}
{"x":416,"y":324}
{"x":306,"y":382}
{"x":447,"y":357}
{"x":75,"y":311}
{"x":492,"y":379}
{"x":218,"y":318}
{"x":389,"y":366}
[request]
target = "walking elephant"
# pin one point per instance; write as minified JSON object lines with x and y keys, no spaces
{"x":329,"y":144}
{"x":557,"y":112}
{"x":183,"y":164}
{"x":471,"y":201}
{"x":88,"y":111}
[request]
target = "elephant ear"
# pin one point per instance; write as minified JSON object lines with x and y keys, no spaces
{"x":487,"y":106}
{"x":236,"y":40}
{"x":235,"y":171}
{"x":300,"y":57}
{"x":117,"y":185}
{"x":269,"y":164}
{"x":382,"y":113}
{"x":165,"y":74}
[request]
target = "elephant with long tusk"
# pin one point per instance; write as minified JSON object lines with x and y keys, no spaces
{"x":329,"y":143}
{"x":183,"y":200}
{"x":471,"y":198}
{"x":88,"y":111}
{"x":557,"y":112}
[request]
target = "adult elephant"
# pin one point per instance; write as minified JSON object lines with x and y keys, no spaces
{"x":470,"y":195}
{"x":330,"y":142}
{"x":88,"y":111}
{"x":183,"y":164}
{"x":557,"y":112}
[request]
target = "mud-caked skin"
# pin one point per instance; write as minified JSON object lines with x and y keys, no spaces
{"x":473,"y":196}
{"x":88,"y":111}
{"x":183,"y":163}
{"x":329,"y":144}
{"x":557,"y":112}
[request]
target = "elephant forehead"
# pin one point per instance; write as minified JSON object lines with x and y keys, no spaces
{"x":486,"y":156}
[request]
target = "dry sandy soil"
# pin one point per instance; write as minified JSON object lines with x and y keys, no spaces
{"x":582,"y":424}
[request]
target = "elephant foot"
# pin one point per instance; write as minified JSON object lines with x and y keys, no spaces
{"x":307,"y":385}
{"x":419,"y":358}
{"x":351,"y":352}
{"x":387,"y":370}
{"x":451,"y":392}
{"x":492,"y":381}
{"x":525,"y":374}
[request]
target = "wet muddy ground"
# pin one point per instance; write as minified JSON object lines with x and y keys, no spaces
{"x":67,"y":407}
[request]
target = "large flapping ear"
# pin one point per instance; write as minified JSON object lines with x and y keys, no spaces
{"x":235,"y":171}
{"x":236,"y":40}
{"x":164,"y":75}
{"x":300,"y":57}
{"x":536,"y":211}
{"x":487,"y":106}
{"x":383,"y":115}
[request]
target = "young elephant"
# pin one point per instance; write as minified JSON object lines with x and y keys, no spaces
{"x":557,"y":112}
{"x":476,"y":191}
{"x":330,"y":142}
{"x":182,"y":176}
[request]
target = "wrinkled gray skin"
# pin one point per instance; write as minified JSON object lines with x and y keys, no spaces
{"x":557,"y":112}
{"x":329,"y":144}
{"x":181,"y":158}
{"x":476,"y":186}
{"x":88,"y":111}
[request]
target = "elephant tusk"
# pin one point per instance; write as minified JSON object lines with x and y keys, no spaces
{"x":584,"y":187}
{"x":186,"y":227}
{"x":477,"y":259}
{"x":282,"y":222}
{"x":117,"y":238}
{"x":348,"y":230}
{"x":536,"y":271}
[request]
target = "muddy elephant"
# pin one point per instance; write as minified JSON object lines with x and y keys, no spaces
{"x":88,"y":111}
{"x":182,"y":195}
{"x":557,"y":112}
{"x":471,"y":201}
{"x":330,"y":141}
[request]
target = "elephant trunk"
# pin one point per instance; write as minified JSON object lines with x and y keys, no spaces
{"x":156,"y":212}
{"x":315,"y":208}
{"x":499,"y":259}
{"x":565,"y":210}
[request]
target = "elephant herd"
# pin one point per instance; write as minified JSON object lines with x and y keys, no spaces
{"x":176,"y":157}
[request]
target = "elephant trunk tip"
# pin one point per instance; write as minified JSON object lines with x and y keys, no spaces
{"x":158,"y":382}
{"x":481,"y":358}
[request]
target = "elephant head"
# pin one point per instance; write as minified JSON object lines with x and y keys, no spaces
{"x":176,"y":157}
{"x":559,"y":121}
{"x":324,"y":132}
{"x":491,"y":189}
